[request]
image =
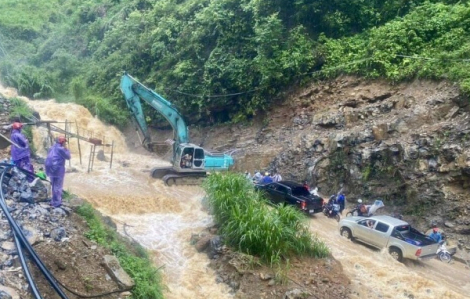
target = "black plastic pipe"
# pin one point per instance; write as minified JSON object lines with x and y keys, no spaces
{"x":27,"y":273}
{"x":50,"y":278}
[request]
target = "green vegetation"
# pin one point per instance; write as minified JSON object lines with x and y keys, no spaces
{"x":134,"y":261}
{"x":366,"y":173}
{"x":432,"y":41}
{"x":19,"y":110}
{"x":223,"y":60}
{"x":253,"y":227}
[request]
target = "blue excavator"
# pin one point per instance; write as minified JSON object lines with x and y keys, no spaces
{"x":190,"y":163}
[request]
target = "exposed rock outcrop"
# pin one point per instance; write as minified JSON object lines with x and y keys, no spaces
{"x":407,"y":144}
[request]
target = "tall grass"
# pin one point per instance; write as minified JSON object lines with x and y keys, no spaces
{"x":251,"y":226}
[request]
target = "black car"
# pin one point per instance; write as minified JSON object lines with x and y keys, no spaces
{"x":294,"y":194}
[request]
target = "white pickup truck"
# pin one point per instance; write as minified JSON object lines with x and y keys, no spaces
{"x":399,"y":237}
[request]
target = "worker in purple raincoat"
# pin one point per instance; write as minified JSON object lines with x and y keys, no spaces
{"x":55,"y":169}
{"x":20,"y":152}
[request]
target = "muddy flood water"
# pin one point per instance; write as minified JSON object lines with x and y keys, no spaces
{"x":163,"y":218}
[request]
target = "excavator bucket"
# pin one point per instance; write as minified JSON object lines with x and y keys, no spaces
{"x":160,"y":148}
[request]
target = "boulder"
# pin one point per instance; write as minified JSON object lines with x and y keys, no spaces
{"x":203,"y":243}
{"x":380,"y":131}
{"x":58,"y":234}
{"x":8,"y":293}
{"x":114,"y":269}
{"x":8,"y":246}
{"x":295,"y":294}
{"x":32,"y":235}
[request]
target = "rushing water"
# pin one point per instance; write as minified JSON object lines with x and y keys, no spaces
{"x":374,"y":274}
{"x":163,"y":218}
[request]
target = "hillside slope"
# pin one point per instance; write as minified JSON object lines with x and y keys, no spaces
{"x":407,"y":144}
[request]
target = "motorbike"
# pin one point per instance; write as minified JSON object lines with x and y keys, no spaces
{"x":443,"y":254}
{"x":354,"y":212}
{"x":332,"y":211}
{"x":371,"y":209}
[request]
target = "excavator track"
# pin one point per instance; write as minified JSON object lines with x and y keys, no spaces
{"x":184,"y":179}
{"x":160,"y":172}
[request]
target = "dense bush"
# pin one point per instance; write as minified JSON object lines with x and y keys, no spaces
{"x":226,"y":59}
{"x":252,"y":227}
{"x":433,"y":41}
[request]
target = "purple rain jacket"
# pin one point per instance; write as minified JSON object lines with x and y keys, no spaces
{"x":55,"y":161}
{"x":21,"y":152}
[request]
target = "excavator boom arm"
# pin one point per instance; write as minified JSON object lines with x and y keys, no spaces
{"x":134,"y":92}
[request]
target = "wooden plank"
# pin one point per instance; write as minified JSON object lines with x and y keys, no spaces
{"x":6,"y":142}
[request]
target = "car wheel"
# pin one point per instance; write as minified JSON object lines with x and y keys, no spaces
{"x":396,"y":254}
{"x":346,"y":232}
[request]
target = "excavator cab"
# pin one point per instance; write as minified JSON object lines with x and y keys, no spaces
{"x":189,"y":157}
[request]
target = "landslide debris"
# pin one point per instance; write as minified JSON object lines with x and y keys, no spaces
{"x":408,"y":144}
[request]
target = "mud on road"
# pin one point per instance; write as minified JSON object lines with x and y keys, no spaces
{"x":374,"y":274}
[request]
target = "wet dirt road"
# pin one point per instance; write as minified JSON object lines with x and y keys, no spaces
{"x":163,"y":218}
{"x":374,"y":274}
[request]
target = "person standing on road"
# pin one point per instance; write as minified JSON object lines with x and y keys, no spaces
{"x":266,"y":179}
{"x":247,"y":175}
{"x":306,"y":186}
{"x":341,"y":199}
{"x":277,"y":177}
{"x":257,"y":177}
{"x":55,"y":169}
{"x":20,"y":152}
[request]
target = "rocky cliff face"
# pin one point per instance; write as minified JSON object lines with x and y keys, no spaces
{"x":407,"y":144}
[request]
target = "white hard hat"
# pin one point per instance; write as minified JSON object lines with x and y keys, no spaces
{"x":359,"y":200}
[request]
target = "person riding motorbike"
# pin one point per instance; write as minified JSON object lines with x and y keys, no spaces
{"x":361,"y":208}
{"x":435,"y":235}
{"x":331,"y":209}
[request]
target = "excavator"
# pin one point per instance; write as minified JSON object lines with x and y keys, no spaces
{"x":190,"y":163}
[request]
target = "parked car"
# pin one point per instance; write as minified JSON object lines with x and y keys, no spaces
{"x":292,"y":193}
{"x":402,"y":240}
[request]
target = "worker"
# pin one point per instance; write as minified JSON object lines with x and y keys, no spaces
{"x":435,"y":235}
{"x":187,"y":160}
{"x":20,"y":152}
{"x":247,"y":175}
{"x":277,"y":177}
{"x":55,"y":169}
{"x":341,"y":201}
{"x":257,"y":177}
{"x":306,"y":186}
{"x":267,"y":178}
